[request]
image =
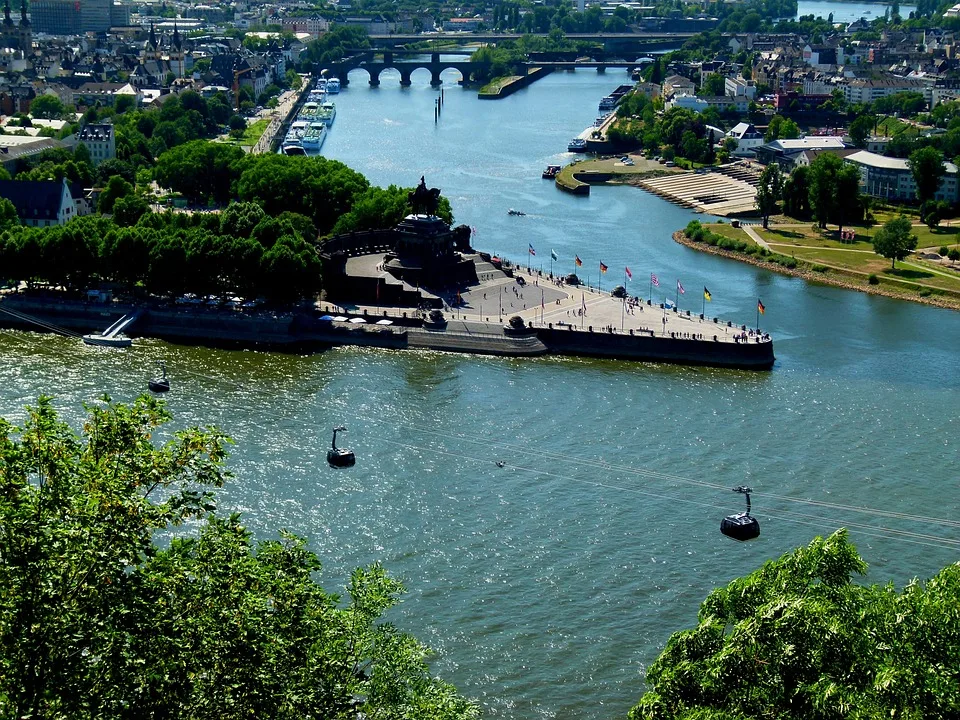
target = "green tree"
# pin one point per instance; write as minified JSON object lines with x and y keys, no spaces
{"x":47,"y":107}
{"x":769,"y":191}
{"x":847,"y":207}
{"x":199,"y":170}
{"x":928,"y":170}
{"x":799,"y":639}
{"x":713,"y":85}
{"x":128,"y":210}
{"x":895,"y":240}
{"x":823,"y":186}
{"x":860,"y":129}
{"x":101,"y":617}
{"x":8,"y":214}
{"x":116,"y":188}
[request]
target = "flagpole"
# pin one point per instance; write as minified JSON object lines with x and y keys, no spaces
{"x":599,"y":279}
{"x":623,"y":304}
{"x":758,"y":316}
{"x":677,"y":303}
{"x":703,"y":309}
{"x":650,"y":294}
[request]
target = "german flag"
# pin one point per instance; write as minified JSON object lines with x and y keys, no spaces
{"x":603,"y":268}
{"x":578,"y":261}
{"x":760,"y":306}
{"x":706,"y":294}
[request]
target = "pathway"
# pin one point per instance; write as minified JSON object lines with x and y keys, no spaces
{"x":756,"y":238}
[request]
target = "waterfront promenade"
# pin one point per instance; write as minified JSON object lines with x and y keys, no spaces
{"x":540,"y":300}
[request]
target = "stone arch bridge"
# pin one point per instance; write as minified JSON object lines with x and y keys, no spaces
{"x":374,"y":67}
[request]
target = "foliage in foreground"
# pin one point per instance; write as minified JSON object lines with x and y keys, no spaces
{"x":98,"y":619}
{"x":798,"y":639}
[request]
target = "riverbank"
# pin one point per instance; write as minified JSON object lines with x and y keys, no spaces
{"x":578,"y":176}
{"x":506,"y":86}
{"x":666,"y":336}
{"x":835,"y":277}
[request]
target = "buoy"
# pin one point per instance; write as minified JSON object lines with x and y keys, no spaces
{"x":741,"y":526}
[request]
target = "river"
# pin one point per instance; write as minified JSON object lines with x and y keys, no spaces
{"x":847,"y":12}
{"x":547,"y":586}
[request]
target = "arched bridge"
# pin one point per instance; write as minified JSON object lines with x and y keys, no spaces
{"x":374,"y":67}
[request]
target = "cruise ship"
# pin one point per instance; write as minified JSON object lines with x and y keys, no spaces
{"x":327,"y":112}
{"x":314,"y":136}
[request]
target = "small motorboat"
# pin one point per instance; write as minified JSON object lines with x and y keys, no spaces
{"x":340,"y":457}
{"x":551,"y":172}
{"x":159,"y":384}
{"x":114,"y":341}
{"x":511,"y":211}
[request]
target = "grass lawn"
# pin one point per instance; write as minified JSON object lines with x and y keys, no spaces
{"x":890,"y":126}
{"x":253,"y":132}
{"x":493,"y":87}
{"x":729,"y":232}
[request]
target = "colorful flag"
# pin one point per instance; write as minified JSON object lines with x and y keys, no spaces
{"x":577,"y":260}
{"x":706,"y":294}
{"x":629,"y":274}
{"x":680,"y":287}
{"x":603,"y":268}
{"x":553,"y":255}
{"x":531,"y":250}
{"x":760,"y":307}
{"x":655,"y":280}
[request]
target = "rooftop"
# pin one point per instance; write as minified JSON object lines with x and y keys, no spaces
{"x":864,"y":157}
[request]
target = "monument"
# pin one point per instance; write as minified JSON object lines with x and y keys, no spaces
{"x":421,"y":252}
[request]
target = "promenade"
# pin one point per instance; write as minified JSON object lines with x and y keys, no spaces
{"x":538,"y":299}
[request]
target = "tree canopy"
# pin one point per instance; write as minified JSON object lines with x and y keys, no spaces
{"x":99,"y":618}
{"x":895,"y":240}
{"x":926,"y":165}
{"x":799,"y":639}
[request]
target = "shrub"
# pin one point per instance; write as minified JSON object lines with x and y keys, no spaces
{"x":695,"y":231}
{"x":873,"y":279}
{"x":925,"y":292}
{"x":954,"y":254}
{"x":944,"y":250}
{"x":711,"y":239}
{"x":820,"y":268}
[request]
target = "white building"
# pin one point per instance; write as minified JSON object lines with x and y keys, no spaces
{"x":866,"y":91}
{"x":747,"y":138}
{"x":891,"y":178}
{"x":735,"y":86}
{"x":100,"y":141}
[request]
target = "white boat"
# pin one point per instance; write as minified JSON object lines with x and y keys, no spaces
{"x":314,"y":137}
{"x":333,"y":86}
{"x":327,"y":112}
{"x":322,"y":85}
{"x":115,"y":341}
{"x":294,"y":150}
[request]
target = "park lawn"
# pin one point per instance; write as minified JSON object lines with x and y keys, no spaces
{"x":890,"y":126}
{"x":729,"y":232}
{"x":869,"y":263}
{"x":807,"y":237}
{"x":253,"y":132}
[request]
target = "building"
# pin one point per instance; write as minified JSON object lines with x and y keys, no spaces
{"x":786,"y":152}
{"x":866,"y":91}
{"x":40,"y":203}
{"x":100,"y":141}
{"x":16,"y":37}
{"x":677,"y":85}
{"x":17,"y":147}
{"x":71,"y":17}
{"x":462,"y":24}
{"x":892,"y":179}
{"x":735,"y":86}
{"x":747,"y":137}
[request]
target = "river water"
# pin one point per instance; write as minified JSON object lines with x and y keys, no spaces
{"x":847,"y":12}
{"x":547,"y":586}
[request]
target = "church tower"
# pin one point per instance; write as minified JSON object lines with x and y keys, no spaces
{"x":9,"y":31}
{"x":151,"y":49}
{"x":26,"y":32}
{"x":176,"y":52}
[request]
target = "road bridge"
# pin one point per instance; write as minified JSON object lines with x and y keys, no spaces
{"x":374,"y":67}
{"x":626,"y":42}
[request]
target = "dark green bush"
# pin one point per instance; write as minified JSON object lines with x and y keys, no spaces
{"x":873,"y":279}
{"x":820,"y":268}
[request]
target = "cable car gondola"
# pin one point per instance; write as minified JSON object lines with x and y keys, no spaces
{"x":159,"y":384}
{"x":741,"y":526}
{"x":340,"y":457}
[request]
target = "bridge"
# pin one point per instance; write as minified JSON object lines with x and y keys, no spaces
{"x":609,"y":41}
{"x":374,"y":67}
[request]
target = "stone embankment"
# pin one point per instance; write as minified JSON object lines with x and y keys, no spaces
{"x":513,"y":84}
{"x":818,"y":277}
